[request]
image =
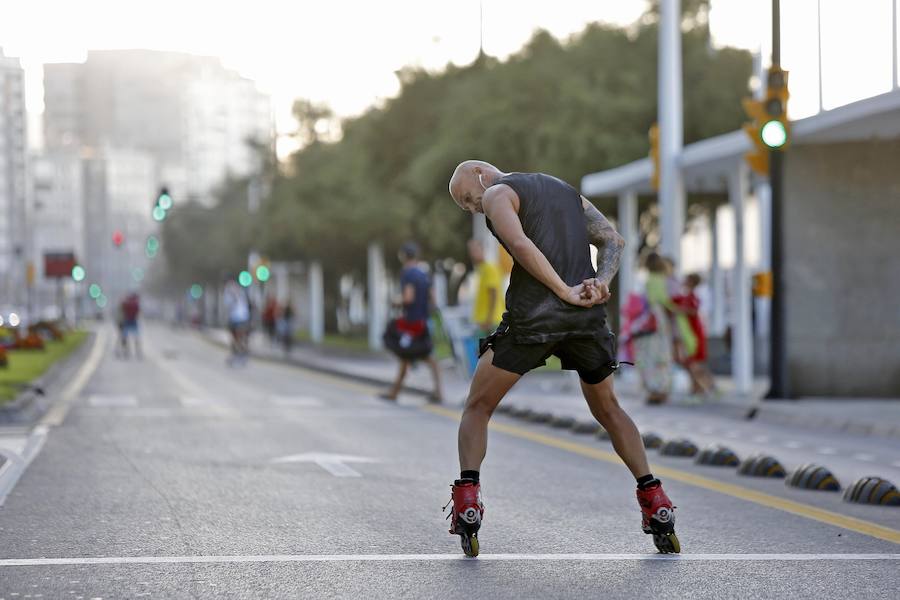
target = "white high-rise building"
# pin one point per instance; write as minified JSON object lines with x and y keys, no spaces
{"x":140,"y":120}
{"x":13,"y":188}
{"x":193,"y":116}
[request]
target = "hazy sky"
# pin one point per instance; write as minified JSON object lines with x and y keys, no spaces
{"x":345,"y":52}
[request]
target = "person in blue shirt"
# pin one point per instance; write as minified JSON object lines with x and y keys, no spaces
{"x":417,"y":299}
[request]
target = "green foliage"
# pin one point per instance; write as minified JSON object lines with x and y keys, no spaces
{"x":566,"y":108}
{"x":27,"y":365}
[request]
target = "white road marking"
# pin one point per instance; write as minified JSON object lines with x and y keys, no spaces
{"x":123,"y":400}
{"x":296,"y":401}
{"x":289,"y":558}
{"x":57,"y":413}
{"x":864,"y":456}
{"x":333,"y":463}
{"x":18,"y":462}
{"x":13,"y":443}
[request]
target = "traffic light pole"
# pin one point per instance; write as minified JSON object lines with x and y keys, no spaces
{"x":778,"y":372}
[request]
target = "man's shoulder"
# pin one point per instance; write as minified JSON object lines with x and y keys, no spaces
{"x":414,"y":274}
{"x":543,"y":179}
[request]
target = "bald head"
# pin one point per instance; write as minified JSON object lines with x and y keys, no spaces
{"x":469,"y":181}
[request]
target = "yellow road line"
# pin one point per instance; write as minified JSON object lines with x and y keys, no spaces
{"x":730,"y":489}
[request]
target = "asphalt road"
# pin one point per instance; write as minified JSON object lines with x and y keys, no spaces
{"x":178,"y":477}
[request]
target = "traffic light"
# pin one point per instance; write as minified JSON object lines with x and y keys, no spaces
{"x":164,"y":200}
{"x":159,"y":214}
{"x":162,"y":205}
{"x":769,"y":128}
{"x":263,"y":273}
{"x":653,"y":134}
{"x":152,"y":246}
{"x":196,"y":291}
{"x":117,"y":238}
{"x":776,"y":131}
{"x":762,"y":284}
{"x":95,"y":291}
{"x":78,"y":273}
{"x":245,"y":278}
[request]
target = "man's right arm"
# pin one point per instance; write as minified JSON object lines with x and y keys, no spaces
{"x":500,"y":203}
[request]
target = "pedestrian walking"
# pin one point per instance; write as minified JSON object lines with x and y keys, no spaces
{"x":237,"y":304}
{"x":269,"y":318}
{"x":554,"y":307}
{"x":488,"y":304}
{"x":286,"y":327}
{"x":408,"y":337}
{"x":653,"y":349}
{"x":129,"y":309}
{"x":702,"y":380}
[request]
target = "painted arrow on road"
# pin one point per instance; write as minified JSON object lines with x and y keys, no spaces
{"x":333,"y":463}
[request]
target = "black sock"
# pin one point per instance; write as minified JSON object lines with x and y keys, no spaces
{"x":646,"y":480}
{"x":473,"y":475}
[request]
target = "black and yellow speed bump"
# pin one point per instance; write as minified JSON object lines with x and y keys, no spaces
{"x":717,"y":456}
{"x":679,"y":447}
{"x":651,"y":440}
{"x":762,"y":465}
{"x":813,"y":477}
{"x":873,"y":490}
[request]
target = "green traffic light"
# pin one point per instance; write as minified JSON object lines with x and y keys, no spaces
{"x":245,"y":279}
{"x":159,"y":213}
{"x":164,"y":201}
{"x":263,"y":273}
{"x":101,"y":302}
{"x":152,"y":246}
{"x":196,"y":291}
{"x":95,"y":291}
{"x":773,"y":134}
{"x":78,"y":273}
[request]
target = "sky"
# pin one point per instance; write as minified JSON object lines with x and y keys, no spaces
{"x":345,"y":52}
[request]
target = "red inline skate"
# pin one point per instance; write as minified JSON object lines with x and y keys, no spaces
{"x":658,"y":517}
{"x":465,"y":518}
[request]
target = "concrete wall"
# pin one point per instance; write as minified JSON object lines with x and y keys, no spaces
{"x":842,"y":252}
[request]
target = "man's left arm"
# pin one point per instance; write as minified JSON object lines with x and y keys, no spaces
{"x":607,"y":240}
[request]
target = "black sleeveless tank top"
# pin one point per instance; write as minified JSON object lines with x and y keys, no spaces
{"x":553,"y":218}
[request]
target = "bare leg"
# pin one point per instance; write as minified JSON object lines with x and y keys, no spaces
{"x":624,"y":435}
{"x":398,"y":382}
{"x":437,"y":395}
{"x":489,"y":385}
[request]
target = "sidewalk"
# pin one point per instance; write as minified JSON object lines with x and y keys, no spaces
{"x":558,"y":393}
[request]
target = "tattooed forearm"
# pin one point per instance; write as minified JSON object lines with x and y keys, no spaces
{"x":608,"y":242}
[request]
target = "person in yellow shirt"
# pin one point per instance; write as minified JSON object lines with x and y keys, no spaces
{"x":487,"y":311}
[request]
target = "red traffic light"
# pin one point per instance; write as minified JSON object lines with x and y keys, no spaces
{"x":118,"y":237}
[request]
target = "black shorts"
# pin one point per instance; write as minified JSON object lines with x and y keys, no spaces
{"x":593,"y":358}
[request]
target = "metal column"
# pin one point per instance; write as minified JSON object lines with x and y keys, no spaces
{"x":671,"y":185}
{"x":377,"y":284}
{"x":316,"y":303}
{"x":741,"y":335}
{"x":628,"y":229}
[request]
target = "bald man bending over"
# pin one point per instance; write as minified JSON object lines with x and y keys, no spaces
{"x":554,"y":307}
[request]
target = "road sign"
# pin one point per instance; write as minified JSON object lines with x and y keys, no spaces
{"x":58,"y":264}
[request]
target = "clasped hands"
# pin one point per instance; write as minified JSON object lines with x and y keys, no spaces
{"x":589,"y":292}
